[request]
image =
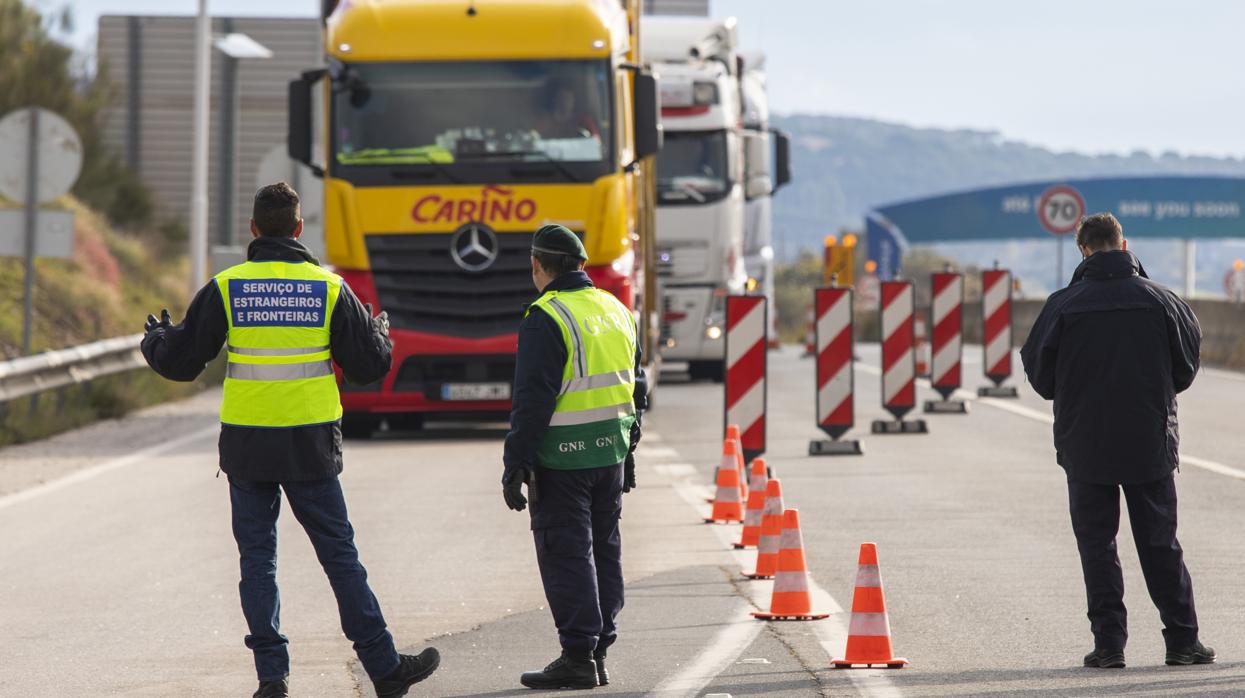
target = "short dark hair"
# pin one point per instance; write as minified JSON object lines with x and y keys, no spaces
{"x":1100,"y":231}
{"x":276,"y":210}
{"x":556,"y":265}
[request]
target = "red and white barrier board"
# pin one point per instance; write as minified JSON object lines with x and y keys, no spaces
{"x":946,"y":311}
{"x":898,"y":355}
{"x":996,"y":312}
{"x":746,"y":320}
{"x":835,"y":382}
{"x":996,"y":331}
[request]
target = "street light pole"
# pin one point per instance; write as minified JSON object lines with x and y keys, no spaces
{"x":199,"y":155}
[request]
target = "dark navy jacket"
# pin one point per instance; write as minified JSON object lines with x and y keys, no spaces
{"x":1112,"y":350}
{"x":314,"y":452}
{"x":538,"y":378}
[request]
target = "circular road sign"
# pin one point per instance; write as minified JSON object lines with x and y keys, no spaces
{"x":58,"y":149}
{"x":1060,"y":209}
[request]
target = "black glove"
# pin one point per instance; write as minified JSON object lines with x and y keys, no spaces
{"x":629,"y":473}
{"x":164,"y":322}
{"x":512,"y":486}
{"x":380,"y":322}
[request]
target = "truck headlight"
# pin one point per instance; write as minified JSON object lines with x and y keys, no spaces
{"x":713,"y":332}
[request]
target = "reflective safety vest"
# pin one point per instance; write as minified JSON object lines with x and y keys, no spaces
{"x":280,"y":370}
{"x":592,"y":418}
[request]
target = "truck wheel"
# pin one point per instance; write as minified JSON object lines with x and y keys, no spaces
{"x":359,"y":426}
{"x":705,"y":370}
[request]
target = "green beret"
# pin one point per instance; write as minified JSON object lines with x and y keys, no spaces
{"x":557,"y":239}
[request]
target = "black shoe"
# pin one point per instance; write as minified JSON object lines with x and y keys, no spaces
{"x":273,"y":689}
{"x":603,"y":676}
{"x":563,"y":672}
{"x":1197,"y":653}
{"x":1105,"y":659}
{"x":411,"y":670}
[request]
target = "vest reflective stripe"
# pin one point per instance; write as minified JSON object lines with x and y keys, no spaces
{"x":279,"y":372}
{"x":578,"y":363}
{"x":250,"y":351}
{"x":596,"y":414}
{"x":594,"y":411}
{"x":601,"y":380}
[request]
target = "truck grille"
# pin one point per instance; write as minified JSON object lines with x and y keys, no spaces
{"x":424,"y":290}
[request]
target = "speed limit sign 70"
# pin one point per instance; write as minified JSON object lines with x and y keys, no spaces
{"x":1060,"y":209}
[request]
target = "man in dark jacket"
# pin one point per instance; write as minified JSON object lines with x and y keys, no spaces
{"x":573,"y":441}
{"x":1112,"y":350}
{"x":279,"y":373}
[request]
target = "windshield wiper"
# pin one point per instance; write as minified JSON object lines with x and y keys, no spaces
{"x":557,"y":164}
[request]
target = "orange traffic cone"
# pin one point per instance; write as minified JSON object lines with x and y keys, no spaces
{"x":732,"y":432}
{"x":751,"y":535}
{"x":869,"y":637}
{"x":771,"y":532}
{"x":791,"y":600}
{"x":727,"y":506}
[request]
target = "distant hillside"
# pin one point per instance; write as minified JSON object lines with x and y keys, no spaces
{"x":843,"y":167}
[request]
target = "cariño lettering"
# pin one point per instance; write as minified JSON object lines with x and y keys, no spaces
{"x":494,"y":204}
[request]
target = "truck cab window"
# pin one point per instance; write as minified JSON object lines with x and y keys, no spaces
{"x":693,"y":167}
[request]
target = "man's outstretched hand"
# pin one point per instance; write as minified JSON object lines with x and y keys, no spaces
{"x":629,"y":473}
{"x":164,"y":322}
{"x":512,"y":481}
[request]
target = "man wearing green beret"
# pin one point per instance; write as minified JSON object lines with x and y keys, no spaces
{"x":578,"y":393}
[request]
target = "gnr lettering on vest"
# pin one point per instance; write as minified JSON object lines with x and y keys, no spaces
{"x":571,"y":446}
{"x":596,"y":324}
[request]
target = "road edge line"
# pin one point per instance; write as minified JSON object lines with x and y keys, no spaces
{"x":94,"y":471}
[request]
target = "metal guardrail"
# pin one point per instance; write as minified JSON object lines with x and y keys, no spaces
{"x":56,"y":369}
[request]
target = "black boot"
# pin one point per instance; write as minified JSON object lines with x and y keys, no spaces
{"x":273,"y":689}
{"x":1197,"y":653}
{"x":1105,"y":659}
{"x":564,"y":672}
{"x":603,"y":676}
{"x":411,"y":670}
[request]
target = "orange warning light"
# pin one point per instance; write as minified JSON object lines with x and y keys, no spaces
{"x":830,"y":241}
{"x":849,"y":240}
{"x":1239,"y":264}
{"x":871,"y":267}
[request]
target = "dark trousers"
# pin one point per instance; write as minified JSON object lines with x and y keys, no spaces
{"x":579,"y":550}
{"x":321,"y":509}
{"x":1152,"y":514}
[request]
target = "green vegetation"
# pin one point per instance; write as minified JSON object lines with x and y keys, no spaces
{"x":121,"y":268}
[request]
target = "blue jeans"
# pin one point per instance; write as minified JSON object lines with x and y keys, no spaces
{"x":321,"y":509}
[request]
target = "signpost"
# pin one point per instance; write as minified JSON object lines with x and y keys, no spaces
{"x":1059,"y":211}
{"x":40,"y":158}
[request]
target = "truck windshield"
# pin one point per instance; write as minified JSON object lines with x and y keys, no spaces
{"x":442,"y":114}
{"x":692,"y":167}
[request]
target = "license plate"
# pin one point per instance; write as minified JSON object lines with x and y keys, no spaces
{"x":475,"y":391}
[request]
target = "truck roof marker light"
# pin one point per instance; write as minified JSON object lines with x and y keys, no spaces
{"x":598,"y":44}
{"x":345,"y":48}
{"x":471,"y":9}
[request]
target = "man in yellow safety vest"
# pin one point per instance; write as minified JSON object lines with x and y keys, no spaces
{"x":284,"y":321}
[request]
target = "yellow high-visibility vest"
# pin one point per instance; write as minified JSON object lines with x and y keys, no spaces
{"x":280,"y":370}
{"x":592,"y":418}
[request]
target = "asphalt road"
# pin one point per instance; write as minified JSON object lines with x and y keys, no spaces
{"x":119,"y":575}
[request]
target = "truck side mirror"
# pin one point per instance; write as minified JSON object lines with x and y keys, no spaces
{"x":299,"y":135}
{"x":648,"y":133}
{"x":782,"y":158}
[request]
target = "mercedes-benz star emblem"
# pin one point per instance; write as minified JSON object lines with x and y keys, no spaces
{"x":474,"y":247}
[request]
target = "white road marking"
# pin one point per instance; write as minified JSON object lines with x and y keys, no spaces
{"x":1047,"y":418}
{"x":659,"y":453}
{"x":675,"y":470}
{"x":107,"y":466}
{"x":731,"y":641}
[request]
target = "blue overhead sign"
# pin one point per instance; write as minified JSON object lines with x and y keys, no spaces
{"x":1148,"y":207}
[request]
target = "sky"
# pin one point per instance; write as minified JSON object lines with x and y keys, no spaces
{"x":1087,"y":75}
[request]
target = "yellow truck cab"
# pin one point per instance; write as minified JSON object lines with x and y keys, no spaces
{"x":447,"y":131}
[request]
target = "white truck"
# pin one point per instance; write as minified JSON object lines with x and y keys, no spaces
{"x":700,"y":185}
{"x":763,"y":146}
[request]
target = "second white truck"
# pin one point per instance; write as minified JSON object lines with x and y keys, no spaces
{"x":700,"y":185}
